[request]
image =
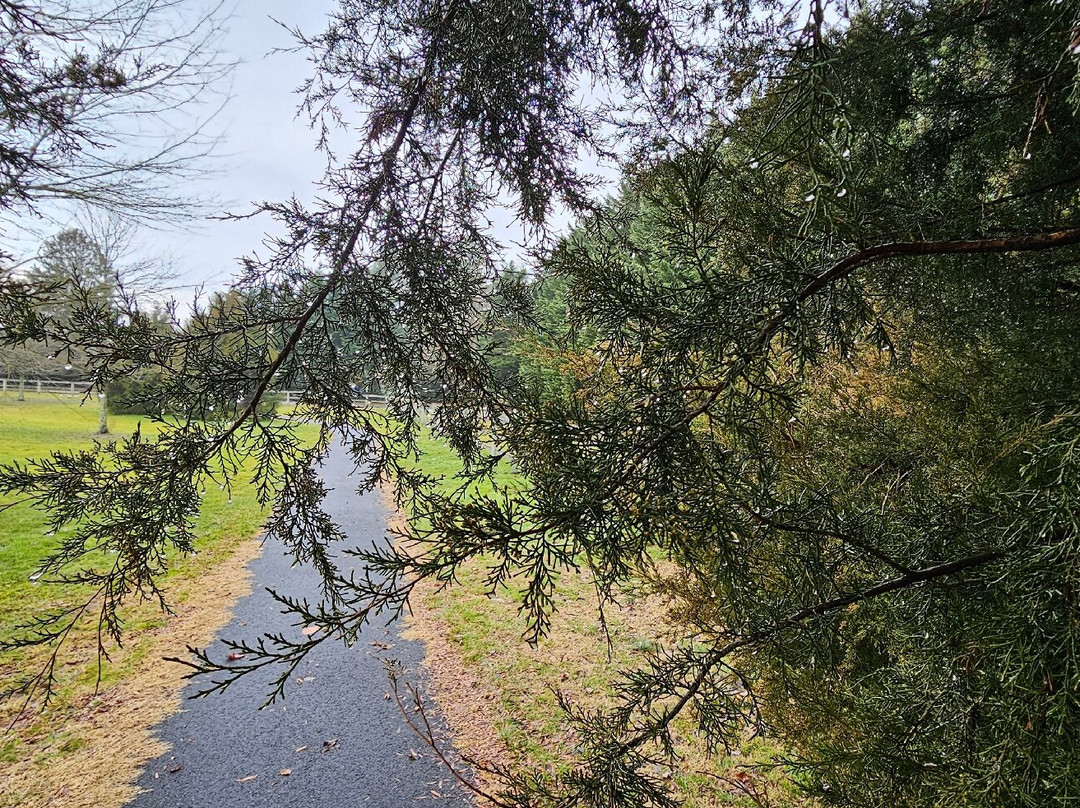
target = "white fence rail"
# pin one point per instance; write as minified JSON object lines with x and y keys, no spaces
{"x":79,"y":388}
{"x":54,"y":386}
{"x":296,"y":396}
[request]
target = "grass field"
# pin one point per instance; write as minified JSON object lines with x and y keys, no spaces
{"x":491,"y":682}
{"x":42,"y":424}
{"x":69,"y":735}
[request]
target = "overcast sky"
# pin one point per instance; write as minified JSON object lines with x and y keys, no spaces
{"x":266,"y":153}
{"x":271,"y":153}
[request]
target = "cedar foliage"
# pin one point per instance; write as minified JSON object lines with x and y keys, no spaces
{"x":821,"y":359}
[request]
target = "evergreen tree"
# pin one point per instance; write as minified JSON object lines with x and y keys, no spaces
{"x":73,"y":268}
{"x":828,"y":371}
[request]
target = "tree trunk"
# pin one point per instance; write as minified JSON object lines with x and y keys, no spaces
{"x":103,"y":414}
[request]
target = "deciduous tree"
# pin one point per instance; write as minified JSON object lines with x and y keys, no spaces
{"x":89,"y":94}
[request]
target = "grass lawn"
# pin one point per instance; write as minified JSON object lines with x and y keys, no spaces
{"x":46,"y":423}
{"x":200,"y":589}
{"x":490,"y":681}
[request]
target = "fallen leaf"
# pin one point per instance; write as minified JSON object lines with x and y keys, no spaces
{"x":413,"y":755}
{"x":382,"y":646}
{"x":307,"y":631}
{"x":234,"y":657}
{"x":330,"y":744}
{"x":285,"y":772}
{"x":176,"y":768}
{"x":300,"y":748}
{"x":247,"y":779}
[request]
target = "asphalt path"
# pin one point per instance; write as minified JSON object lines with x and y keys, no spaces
{"x":341,"y":740}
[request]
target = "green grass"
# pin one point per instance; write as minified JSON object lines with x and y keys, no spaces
{"x":32,"y":429}
{"x":43,"y":424}
{"x":486,"y":630}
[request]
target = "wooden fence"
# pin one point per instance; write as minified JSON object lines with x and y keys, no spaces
{"x":54,"y":386}
{"x":79,"y":388}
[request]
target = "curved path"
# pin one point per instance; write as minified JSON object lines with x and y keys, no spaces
{"x":341,"y":740}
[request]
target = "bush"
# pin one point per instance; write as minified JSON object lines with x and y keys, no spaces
{"x":135,"y":394}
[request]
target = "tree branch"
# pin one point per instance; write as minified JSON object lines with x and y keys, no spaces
{"x":1031,"y":242}
{"x":715,"y":656}
{"x":388,"y":157}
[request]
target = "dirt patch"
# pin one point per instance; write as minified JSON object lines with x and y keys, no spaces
{"x":497,"y":695}
{"x":107,"y":738}
{"x":469,"y":705}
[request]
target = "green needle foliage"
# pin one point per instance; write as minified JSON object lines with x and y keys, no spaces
{"x":819,"y":360}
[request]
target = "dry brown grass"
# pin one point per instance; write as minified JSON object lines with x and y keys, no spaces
{"x":469,"y":705}
{"x":496,"y":692}
{"x":89,"y":750}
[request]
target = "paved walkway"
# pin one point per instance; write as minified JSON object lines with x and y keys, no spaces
{"x":342,"y":741}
